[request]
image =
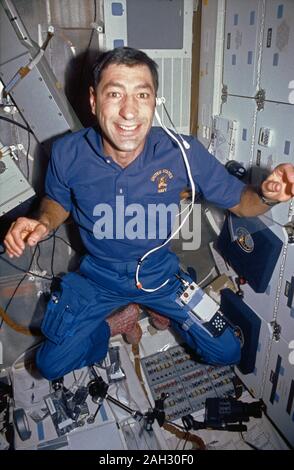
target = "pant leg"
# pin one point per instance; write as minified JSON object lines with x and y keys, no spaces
{"x":72,"y":343}
{"x":82,"y":349}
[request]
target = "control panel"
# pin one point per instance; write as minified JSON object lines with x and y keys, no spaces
{"x":187,"y":382}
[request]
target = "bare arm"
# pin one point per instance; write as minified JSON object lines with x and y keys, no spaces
{"x":278,"y":187}
{"x":250,"y":205}
{"x":30,"y":231}
{"x":52,"y":214}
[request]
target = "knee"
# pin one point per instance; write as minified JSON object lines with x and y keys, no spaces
{"x":230,"y":352}
{"x":223,"y":350}
{"x":49,"y":368}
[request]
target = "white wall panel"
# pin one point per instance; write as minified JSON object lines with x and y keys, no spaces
{"x":258,"y":54}
{"x":285,"y":314}
{"x":279,"y":389}
{"x":277,"y":54}
{"x":242,"y":111}
{"x":207,"y":67}
{"x":242,"y":31}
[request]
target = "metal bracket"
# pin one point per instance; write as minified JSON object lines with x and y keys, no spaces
{"x":18,"y":26}
{"x":260,"y":99}
{"x":276,"y":328}
{"x":4,"y":150}
{"x":290,"y":232}
{"x":224,"y":95}
{"x":98,"y":26}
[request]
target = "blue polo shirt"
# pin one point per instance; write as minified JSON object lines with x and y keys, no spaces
{"x":121,"y":212}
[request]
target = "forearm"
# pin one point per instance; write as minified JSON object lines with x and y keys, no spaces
{"x":250,"y":204}
{"x":51,"y":214}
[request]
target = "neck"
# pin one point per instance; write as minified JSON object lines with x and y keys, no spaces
{"x":122,"y":158}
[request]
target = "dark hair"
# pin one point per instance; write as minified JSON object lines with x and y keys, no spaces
{"x":124,"y":56}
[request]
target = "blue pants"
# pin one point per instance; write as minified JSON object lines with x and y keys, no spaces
{"x":74,"y":324}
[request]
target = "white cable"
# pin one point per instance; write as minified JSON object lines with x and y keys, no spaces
{"x":211,"y":272}
{"x":190,"y":206}
{"x":212,"y":221}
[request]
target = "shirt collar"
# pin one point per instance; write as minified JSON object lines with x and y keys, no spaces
{"x":94,"y":139}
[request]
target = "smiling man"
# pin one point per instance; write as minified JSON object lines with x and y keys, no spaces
{"x":122,"y":163}
{"x":124,"y":102}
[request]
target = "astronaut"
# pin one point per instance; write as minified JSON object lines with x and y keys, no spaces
{"x":94,"y":170}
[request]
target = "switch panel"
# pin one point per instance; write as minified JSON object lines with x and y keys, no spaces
{"x":187,"y":382}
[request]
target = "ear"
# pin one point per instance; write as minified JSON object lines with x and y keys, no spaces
{"x":92,"y":100}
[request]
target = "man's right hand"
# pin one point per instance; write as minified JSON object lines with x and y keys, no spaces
{"x":22,"y":231}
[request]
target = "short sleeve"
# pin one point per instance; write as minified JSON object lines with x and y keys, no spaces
{"x":56,"y":186}
{"x":216,"y":184}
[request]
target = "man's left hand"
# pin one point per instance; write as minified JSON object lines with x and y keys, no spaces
{"x":279,"y":185}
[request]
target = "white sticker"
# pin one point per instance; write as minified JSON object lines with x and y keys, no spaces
{"x":50,"y":405}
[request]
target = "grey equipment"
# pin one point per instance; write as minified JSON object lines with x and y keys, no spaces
{"x":38,"y":89}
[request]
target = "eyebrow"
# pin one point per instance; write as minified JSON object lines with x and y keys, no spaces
{"x":145,"y":86}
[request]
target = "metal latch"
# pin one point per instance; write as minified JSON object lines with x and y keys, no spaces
{"x":276,"y":328}
{"x":224,"y":95}
{"x":260,"y":99}
{"x":290,"y":231}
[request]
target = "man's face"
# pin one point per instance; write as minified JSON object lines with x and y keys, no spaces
{"x":124,"y":104}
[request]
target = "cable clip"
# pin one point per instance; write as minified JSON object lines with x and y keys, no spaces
{"x":160,"y":100}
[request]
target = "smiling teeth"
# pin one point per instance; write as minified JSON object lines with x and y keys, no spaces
{"x":128,"y":128}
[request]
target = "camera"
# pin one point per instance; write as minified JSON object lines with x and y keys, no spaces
{"x":222,"y":411}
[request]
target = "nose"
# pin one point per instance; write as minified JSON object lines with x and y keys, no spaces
{"x":129,"y":108}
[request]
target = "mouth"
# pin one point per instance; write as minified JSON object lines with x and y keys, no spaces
{"x":127,"y":130}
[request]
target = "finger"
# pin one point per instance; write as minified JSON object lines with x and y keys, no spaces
{"x":37,"y":235}
{"x":272,"y":186}
{"x":19,"y":232}
{"x":286,"y":173}
{"x":10,"y":251}
{"x":12,"y":247}
{"x":286,"y":170}
{"x":289,"y":178}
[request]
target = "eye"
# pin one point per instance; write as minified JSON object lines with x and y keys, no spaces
{"x":143,"y":95}
{"x":114,"y":94}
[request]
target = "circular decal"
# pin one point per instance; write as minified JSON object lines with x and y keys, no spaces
{"x":244,"y":240}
